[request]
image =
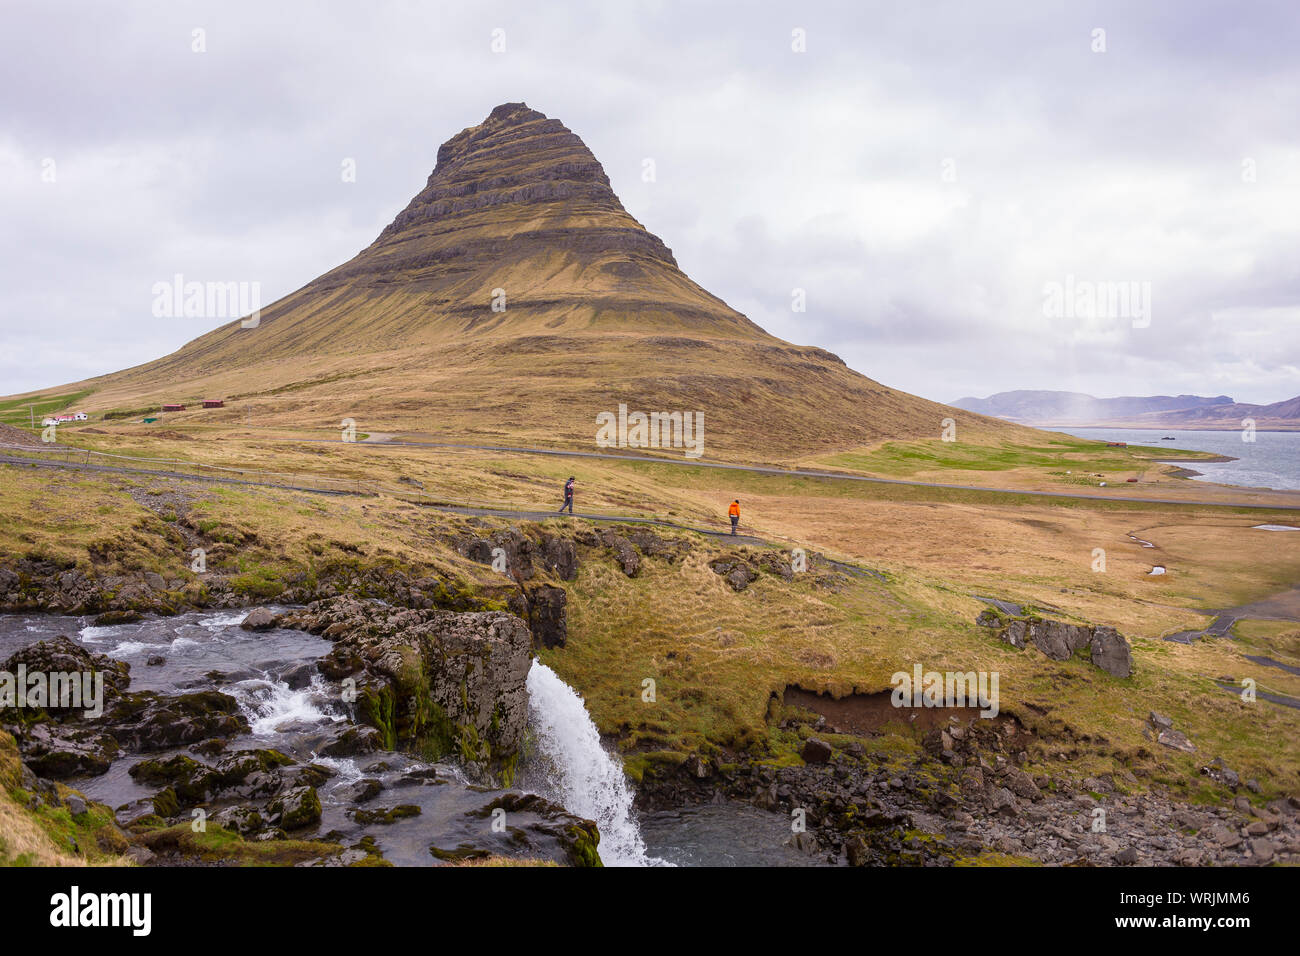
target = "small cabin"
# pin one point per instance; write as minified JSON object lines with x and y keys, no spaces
{"x":80,"y":417}
{"x":173,"y":407}
{"x":214,"y":403}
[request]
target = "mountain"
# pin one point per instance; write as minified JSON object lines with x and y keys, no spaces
{"x":1059,"y":408}
{"x":513,"y":299}
{"x":1279,"y":415}
{"x":1049,"y":408}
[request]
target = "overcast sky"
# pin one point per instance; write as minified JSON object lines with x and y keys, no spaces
{"x":924,"y":171}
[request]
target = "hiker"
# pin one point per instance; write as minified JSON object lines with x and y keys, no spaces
{"x":734,"y":511}
{"x":568,"y":496}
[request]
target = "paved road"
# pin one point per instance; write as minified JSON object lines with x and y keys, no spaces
{"x":790,"y":472}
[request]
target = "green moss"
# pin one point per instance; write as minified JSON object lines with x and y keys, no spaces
{"x":583,"y":848}
{"x":378,"y":708}
{"x":217,"y":844}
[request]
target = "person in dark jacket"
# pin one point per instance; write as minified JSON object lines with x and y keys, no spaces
{"x":568,"y":496}
{"x":734,"y":511}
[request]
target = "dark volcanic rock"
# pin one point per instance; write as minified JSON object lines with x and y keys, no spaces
{"x":816,"y":751}
{"x":438,"y":681}
{"x":547,"y":618}
{"x":1111,"y":652}
{"x":560,"y":557}
{"x":259,"y":619}
{"x":735,"y":570}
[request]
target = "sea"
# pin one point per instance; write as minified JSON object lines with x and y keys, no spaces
{"x":1272,"y":460}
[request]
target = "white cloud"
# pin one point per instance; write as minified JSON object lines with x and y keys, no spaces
{"x":776,"y":170}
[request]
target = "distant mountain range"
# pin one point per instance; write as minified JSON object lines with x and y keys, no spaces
{"x":1047,"y":408}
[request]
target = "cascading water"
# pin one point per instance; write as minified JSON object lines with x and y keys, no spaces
{"x":582,"y":775}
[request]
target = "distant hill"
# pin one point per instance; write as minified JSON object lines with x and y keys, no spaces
{"x":1280,"y":415}
{"x":1061,"y":408}
{"x":514,"y":300}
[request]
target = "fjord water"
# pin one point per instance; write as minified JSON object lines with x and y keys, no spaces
{"x":566,"y":761}
{"x":1272,"y":460}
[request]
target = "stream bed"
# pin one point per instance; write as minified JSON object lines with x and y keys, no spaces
{"x":290,"y":708}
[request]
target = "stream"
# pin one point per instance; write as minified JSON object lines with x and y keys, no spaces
{"x":290,"y":708}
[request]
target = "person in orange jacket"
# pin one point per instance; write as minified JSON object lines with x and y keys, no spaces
{"x":734,"y":511}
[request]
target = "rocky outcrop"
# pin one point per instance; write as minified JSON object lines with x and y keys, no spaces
{"x":538,"y":828}
{"x":434,"y":682}
{"x":1060,"y":640}
{"x":547,"y":618}
{"x":39,"y":584}
{"x":65,"y":741}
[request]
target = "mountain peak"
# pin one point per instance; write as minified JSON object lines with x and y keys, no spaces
{"x":520,"y":174}
{"x":515,"y":297}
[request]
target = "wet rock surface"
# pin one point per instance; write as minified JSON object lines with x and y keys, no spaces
{"x":968,"y":795}
{"x":436,"y":681}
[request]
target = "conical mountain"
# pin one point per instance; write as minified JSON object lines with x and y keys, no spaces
{"x":515,"y":299}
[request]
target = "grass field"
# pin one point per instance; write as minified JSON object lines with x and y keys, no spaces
{"x":718,"y":657}
{"x":23,"y":411}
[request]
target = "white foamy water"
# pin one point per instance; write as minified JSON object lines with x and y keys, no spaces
{"x":271,"y":705}
{"x":126,"y":648}
{"x":585,"y":778}
{"x":346,"y":770}
{"x":95,"y":635}
{"x":223,"y":620}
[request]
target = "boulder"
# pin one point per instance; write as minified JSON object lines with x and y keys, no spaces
{"x":1176,"y":740}
{"x":148,"y":721}
{"x":296,"y":808}
{"x":354,"y":742}
{"x":816,"y":751}
{"x":1110,"y":652}
{"x":1057,"y":639}
{"x":260,"y":619}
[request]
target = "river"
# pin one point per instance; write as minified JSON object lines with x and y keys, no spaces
{"x":566,"y":763}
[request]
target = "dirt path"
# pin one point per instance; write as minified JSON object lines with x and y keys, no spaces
{"x":451,"y":509}
{"x":790,"y":472}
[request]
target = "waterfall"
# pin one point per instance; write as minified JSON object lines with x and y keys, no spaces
{"x":581,"y":775}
